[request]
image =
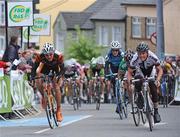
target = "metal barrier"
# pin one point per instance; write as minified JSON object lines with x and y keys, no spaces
{"x":16,"y":94}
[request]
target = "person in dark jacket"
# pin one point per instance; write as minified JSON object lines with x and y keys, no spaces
{"x":11,"y":52}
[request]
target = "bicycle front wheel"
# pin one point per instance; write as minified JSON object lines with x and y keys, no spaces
{"x":98,"y":101}
{"x":149,"y":112}
{"x":119,"y":104}
{"x":135,"y":110}
{"x":49,"y":112}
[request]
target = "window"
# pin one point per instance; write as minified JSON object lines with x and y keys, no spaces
{"x":103,"y":36}
{"x":150,"y":26}
{"x":136,"y":27}
{"x":2,"y":13}
{"x":116,"y":32}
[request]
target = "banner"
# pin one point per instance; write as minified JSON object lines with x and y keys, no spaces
{"x":41,"y":25}
{"x":5,"y":95}
{"x":32,"y":39}
{"x":20,"y":14}
{"x":177,"y":89}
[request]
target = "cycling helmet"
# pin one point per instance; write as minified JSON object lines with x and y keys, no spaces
{"x":142,"y":47}
{"x":48,"y":48}
{"x":100,"y":60}
{"x":129,"y":54}
{"x":115,"y":45}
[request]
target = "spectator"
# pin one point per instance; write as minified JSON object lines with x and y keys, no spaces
{"x":5,"y":65}
{"x":11,"y":52}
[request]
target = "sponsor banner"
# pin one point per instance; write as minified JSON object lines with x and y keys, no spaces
{"x":41,"y":25}
{"x":177,"y":89}
{"x":32,"y":39}
{"x":20,"y":14}
{"x":5,"y":95}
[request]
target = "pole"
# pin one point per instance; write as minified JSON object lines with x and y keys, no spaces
{"x":6,"y":23}
{"x":22,"y":38}
{"x":160,"y":30}
{"x":28,"y":35}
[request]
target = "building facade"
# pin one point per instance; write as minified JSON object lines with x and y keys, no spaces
{"x":140,"y":22}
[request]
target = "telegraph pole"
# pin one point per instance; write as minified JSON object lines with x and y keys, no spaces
{"x":160,"y":30}
{"x":6,"y":23}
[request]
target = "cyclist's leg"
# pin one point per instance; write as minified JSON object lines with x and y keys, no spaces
{"x":138,"y":89}
{"x":102,"y":89}
{"x":58,"y":99}
{"x":153,"y":90}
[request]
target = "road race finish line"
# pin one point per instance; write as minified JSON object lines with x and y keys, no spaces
{"x":41,"y":121}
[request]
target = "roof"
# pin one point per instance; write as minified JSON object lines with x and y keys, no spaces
{"x":77,"y":18}
{"x":111,"y":11}
{"x":97,"y":11}
{"x":139,"y":2}
{"x":96,"y":6}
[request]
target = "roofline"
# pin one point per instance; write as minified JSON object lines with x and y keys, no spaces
{"x":80,"y":28}
{"x":108,"y":19}
{"x":137,"y":4}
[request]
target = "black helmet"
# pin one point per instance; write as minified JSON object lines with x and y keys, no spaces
{"x":128,"y":54}
{"x":142,"y":47}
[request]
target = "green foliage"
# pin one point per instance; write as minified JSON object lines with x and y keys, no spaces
{"x":83,"y":48}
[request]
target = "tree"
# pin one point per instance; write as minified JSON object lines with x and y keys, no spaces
{"x":83,"y":48}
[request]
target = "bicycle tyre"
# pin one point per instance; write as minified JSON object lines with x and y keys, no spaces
{"x":98,"y":97}
{"x":143,"y":117}
{"x":148,"y":114}
{"x":119,"y":103}
{"x":135,"y":110}
{"x":54,"y":109}
{"x":49,"y":112}
{"x":125,"y":104}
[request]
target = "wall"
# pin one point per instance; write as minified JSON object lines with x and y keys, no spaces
{"x":69,"y":5}
{"x":172,"y":26}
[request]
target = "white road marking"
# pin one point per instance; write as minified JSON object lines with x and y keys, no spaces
{"x":64,"y":124}
{"x":157,"y":124}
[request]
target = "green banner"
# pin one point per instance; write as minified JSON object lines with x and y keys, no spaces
{"x":5,"y":95}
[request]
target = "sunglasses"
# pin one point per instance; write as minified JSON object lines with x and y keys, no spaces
{"x":115,"y":50}
{"x":50,"y":54}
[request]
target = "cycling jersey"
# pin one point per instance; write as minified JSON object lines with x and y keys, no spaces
{"x":94,"y":70}
{"x":113,"y":62}
{"x":147,"y":66}
{"x":56,"y":65}
{"x":123,"y":66}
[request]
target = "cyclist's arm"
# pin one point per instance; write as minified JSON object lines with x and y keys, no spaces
{"x":159,"y":72}
{"x":39,"y":69}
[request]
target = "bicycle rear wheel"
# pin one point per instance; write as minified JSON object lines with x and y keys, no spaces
{"x":135,"y":110}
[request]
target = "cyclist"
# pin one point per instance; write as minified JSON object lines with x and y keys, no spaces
{"x":74,"y":68}
{"x":97,"y":69}
{"x":144,"y":62}
{"x":48,"y":60}
{"x":123,"y":67}
{"x":113,"y":60}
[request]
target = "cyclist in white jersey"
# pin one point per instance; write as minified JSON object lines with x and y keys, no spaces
{"x":144,"y":61}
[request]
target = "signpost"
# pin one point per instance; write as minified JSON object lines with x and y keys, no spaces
{"x":20,"y":14}
{"x":41,"y":25}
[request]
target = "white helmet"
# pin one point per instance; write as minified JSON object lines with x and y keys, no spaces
{"x":48,"y":48}
{"x":100,"y":60}
{"x":115,"y":45}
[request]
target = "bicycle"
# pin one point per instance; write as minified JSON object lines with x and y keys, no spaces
{"x":120,"y":96}
{"x":147,"y":109}
{"x":76,"y":95}
{"x":50,"y":101}
{"x":97,"y":90}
